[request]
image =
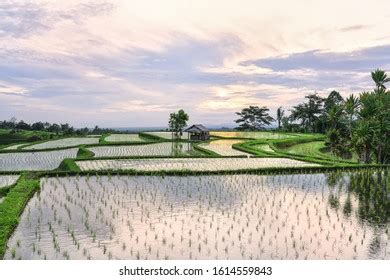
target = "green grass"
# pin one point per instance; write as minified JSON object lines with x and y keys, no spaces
{"x":23,"y":136}
{"x":12,"y":207}
{"x":310,"y":148}
{"x":151,"y":137}
{"x":313,"y":149}
{"x":68,"y":164}
{"x":254,"y":135}
{"x":259,"y":171}
{"x":84,"y":153}
{"x":298,"y":148}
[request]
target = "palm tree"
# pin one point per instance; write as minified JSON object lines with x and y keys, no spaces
{"x":279,"y":116}
{"x":308,"y":112}
{"x":351,"y":106}
{"x":363,"y":140}
{"x":380,"y":78}
{"x":335,"y":116}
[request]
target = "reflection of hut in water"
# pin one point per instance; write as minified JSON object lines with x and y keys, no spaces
{"x":198,"y":132}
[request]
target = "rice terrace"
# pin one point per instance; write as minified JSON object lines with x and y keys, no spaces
{"x":315,"y":187}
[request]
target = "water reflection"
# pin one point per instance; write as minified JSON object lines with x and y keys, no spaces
{"x":372,"y":190}
{"x":306,"y":216}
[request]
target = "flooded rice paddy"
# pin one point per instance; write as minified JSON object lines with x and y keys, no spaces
{"x":123,"y":138}
{"x":35,"y":160}
{"x":63,"y":143}
{"x":167,"y":135}
{"x":14,"y":147}
{"x":224,"y":147}
{"x":312,"y":216}
{"x":252,"y":134}
{"x":157,"y":149}
{"x":7,"y":180}
{"x":194,"y":164}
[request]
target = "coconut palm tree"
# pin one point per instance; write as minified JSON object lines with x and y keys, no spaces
{"x":351,"y":107}
{"x":380,"y":78}
{"x":279,"y":116}
{"x":309,"y":112}
{"x":363,"y":140}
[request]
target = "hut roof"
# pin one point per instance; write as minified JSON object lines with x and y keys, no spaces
{"x":196,"y":128}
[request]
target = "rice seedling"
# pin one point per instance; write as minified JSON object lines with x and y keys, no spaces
{"x":166,"y":135}
{"x":194,"y":164}
{"x":199,"y":217}
{"x":224,"y":147}
{"x":63,"y":143}
{"x":155,"y":149}
{"x":253,"y":134}
{"x":14,"y":147}
{"x":8,"y":180}
{"x":33,"y":161}
{"x":123,"y":138}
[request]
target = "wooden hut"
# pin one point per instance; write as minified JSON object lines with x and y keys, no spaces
{"x":198,"y":132}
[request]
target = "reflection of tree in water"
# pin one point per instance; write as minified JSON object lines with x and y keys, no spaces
{"x":372,"y":188}
{"x":179,"y":148}
{"x":334,"y":181}
{"x":347,"y":209}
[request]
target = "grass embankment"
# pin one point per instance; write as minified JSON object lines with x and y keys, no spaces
{"x":316,"y":148}
{"x":9,"y":137}
{"x":259,"y":135}
{"x":69,"y":164}
{"x":84,"y":153}
{"x":260,"y":171}
{"x":307,"y":148}
{"x":151,"y":137}
{"x":204,"y":151}
{"x":102,"y":139}
{"x":12,"y":207}
{"x":144,"y":139}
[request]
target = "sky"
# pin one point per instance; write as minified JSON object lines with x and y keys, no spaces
{"x":127,"y":63}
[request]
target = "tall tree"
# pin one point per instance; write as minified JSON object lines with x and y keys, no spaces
{"x":334,"y":99}
{"x":309,"y":112}
{"x":253,"y":118}
{"x":380,"y":78}
{"x":279,"y":116}
{"x":351,"y":107}
{"x":336,"y":132}
{"x":177,"y":121}
{"x":363,"y":140}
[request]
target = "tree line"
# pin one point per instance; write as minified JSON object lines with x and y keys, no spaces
{"x":59,"y":129}
{"x":356,"y":125}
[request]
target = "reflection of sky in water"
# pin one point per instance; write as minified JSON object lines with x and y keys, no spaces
{"x":197,"y":217}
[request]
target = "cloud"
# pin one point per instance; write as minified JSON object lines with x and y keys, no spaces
{"x":20,"y":19}
{"x":363,"y":60}
{"x":132,"y":62}
{"x":12,"y":89}
{"x":138,"y":106}
{"x":235,"y":97}
{"x":354,"y":28}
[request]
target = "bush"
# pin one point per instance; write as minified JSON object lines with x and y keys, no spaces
{"x":34,"y":138}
